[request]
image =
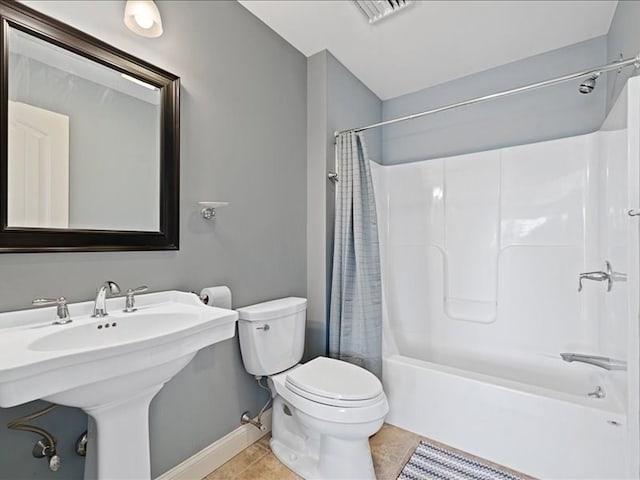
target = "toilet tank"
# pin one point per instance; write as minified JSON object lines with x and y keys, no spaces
{"x":272,"y":335}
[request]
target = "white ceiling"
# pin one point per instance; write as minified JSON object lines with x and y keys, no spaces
{"x":432,"y":42}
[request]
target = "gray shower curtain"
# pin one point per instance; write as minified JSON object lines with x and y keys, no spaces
{"x":355,"y":319}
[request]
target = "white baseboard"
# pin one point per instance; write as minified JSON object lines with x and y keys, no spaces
{"x":219,"y":452}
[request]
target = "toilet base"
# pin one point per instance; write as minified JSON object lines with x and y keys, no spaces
{"x":337,"y":463}
{"x":304,"y":465}
{"x":299,"y":444}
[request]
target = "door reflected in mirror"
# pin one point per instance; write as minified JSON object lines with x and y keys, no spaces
{"x":83,"y":142}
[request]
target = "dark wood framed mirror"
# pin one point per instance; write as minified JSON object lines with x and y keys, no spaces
{"x":89,"y":142}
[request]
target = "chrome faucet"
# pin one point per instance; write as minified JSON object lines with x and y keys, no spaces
{"x":100,"y":308}
{"x":130,"y":303}
{"x":599,"y":276}
{"x":62,"y":310}
{"x":602,"y":362}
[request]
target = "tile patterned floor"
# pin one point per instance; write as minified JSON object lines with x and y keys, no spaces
{"x":391,"y":448}
{"x":255,"y":462}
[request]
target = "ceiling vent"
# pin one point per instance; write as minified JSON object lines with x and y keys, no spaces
{"x":376,"y":10}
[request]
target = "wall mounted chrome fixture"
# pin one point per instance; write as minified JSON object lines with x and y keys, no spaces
{"x":46,"y":446}
{"x":586,"y":86}
{"x":143,"y":17}
{"x":602,"y":362}
{"x":208,"y":210}
{"x":605,"y":275}
{"x":589,"y":84}
{"x":624,"y":63}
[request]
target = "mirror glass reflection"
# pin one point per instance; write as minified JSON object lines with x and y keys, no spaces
{"x":84,"y":142}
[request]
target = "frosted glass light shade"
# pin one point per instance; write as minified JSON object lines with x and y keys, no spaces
{"x":142,"y":17}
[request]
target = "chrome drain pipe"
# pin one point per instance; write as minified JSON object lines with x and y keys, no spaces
{"x":81,"y":445}
{"x":45,"y":447}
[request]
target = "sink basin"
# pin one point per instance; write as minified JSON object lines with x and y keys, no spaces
{"x":124,"y":328}
{"x":111,"y":367}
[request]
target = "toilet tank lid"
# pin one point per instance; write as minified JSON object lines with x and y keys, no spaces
{"x":272,"y":309}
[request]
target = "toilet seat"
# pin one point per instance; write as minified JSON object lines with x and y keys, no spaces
{"x":335,"y":383}
{"x":373,"y":411}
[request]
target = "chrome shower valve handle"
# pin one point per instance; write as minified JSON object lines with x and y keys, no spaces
{"x":598,"y":276}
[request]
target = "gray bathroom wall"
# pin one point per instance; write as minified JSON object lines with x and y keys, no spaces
{"x":243,"y":140}
{"x":351,"y":104}
{"x":318,"y":148}
{"x":623,"y":39}
{"x":336,"y":100}
{"x":552,"y":112}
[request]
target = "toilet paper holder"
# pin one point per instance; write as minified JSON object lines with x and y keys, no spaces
{"x":219,"y":296}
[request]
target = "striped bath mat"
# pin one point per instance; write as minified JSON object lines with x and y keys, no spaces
{"x":432,"y":462}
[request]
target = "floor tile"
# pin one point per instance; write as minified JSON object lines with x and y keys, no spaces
{"x":242,"y":461}
{"x":267,"y":468}
{"x":391,"y":449}
{"x":264,"y":441}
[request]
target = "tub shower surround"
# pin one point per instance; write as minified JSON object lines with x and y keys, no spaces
{"x":481,"y":255}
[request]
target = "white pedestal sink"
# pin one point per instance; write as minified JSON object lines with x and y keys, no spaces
{"x":111,"y":367}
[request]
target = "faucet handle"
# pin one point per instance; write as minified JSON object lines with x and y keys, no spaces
{"x":62,"y":311}
{"x":47,"y":302}
{"x":130,"y":303}
{"x":599,"y":276}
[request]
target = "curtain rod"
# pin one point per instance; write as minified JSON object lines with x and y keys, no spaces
{"x":635,"y":61}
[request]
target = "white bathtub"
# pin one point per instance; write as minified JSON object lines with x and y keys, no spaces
{"x":480,"y":256}
{"x":544,"y":432}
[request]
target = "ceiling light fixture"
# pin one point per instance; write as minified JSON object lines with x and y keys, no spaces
{"x":142,"y":17}
{"x":376,"y":10}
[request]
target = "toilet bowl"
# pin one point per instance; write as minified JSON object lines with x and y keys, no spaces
{"x":325,"y":410}
{"x":330,"y":435}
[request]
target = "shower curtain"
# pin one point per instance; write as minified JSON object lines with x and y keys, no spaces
{"x":355,"y":318}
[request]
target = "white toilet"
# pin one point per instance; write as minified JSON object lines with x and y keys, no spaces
{"x":325,"y":410}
